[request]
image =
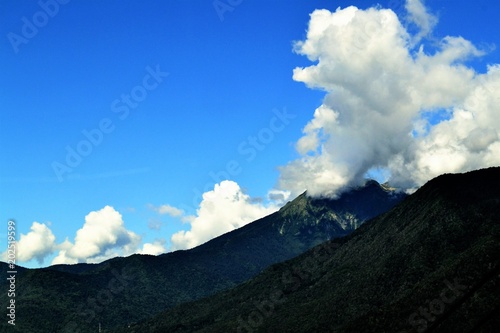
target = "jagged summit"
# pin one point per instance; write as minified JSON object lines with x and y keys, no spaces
{"x":348,"y":211}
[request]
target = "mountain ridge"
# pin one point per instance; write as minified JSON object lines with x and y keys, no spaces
{"x":430,"y":264}
{"x":154,"y":283}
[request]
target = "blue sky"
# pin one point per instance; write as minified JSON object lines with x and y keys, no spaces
{"x":229,"y":80}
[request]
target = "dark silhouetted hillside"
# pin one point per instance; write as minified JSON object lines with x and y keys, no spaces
{"x":431,"y":264}
{"x":75,"y":298}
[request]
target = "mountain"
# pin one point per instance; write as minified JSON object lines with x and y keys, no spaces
{"x":431,"y":264}
{"x":76,"y":298}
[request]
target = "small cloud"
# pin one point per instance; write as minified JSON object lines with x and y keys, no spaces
{"x":36,"y":244}
{"x":155,"y":248}
{"x":154,"y":224}
{"x":278,"y":196}
{"x":130,"y":210}
{"x":167,"y":209}
{"x":421,"y":18}
{"x":188,"y":218}
{"x":256,"y":200}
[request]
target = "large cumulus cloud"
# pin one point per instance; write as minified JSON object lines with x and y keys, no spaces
{"x":390,"y":104}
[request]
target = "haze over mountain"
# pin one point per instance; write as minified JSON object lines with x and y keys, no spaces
{"x":75,"y":298}
{"x":431,"y":264}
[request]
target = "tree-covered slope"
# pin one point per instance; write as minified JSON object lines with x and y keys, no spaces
{"x":76,"y":298}
{"x":431,"y":264}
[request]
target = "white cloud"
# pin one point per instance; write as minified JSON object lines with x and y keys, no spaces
{"x":37,"y":244}
{"x":380,"y":93}
{"x":278,"y":197}
{"x":62,"y":257}
{"x":167,"y":209}
{"x":223,"y":209}
{"x":154,"y":224}
{"x":155,"y":248}
{"x":103,"y":236}
{"x":469,"y":140}
{"x":421,"y":18}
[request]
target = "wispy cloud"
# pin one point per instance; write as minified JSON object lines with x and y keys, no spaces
{"x":167,"y":209}
{"x":421,"y":18}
